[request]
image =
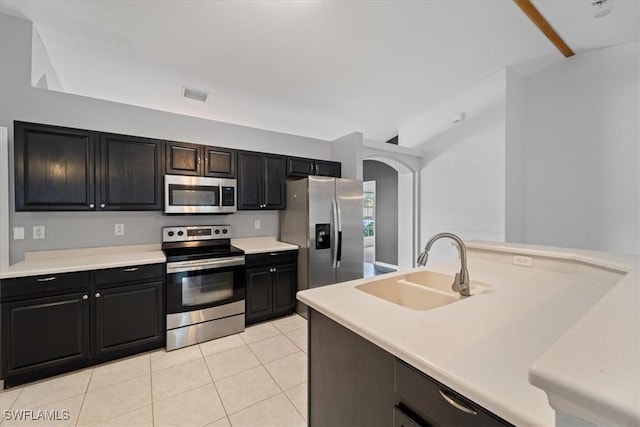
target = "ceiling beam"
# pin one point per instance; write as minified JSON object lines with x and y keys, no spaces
{"x":536,"y":17}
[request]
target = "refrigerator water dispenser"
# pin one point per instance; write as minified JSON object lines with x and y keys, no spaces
{"x":323,"y":236}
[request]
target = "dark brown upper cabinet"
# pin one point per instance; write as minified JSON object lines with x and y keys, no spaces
{"x":64,"y":169}
{"x":200,"y":160}
{"x":302,"y":167}
{"x":261,"y":181}
{"x":131,"y":173}
{"x":54,"y":168}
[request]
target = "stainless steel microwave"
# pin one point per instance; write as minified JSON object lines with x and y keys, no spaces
{"x":199,"y":195}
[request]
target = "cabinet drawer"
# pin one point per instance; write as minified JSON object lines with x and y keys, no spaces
{"x":128,"y":274}
{"x":271,"y":258}
{"x":436,"y":403}
{"x":48,"y":284}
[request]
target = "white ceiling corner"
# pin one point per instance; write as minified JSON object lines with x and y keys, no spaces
{"x":320,"y":69}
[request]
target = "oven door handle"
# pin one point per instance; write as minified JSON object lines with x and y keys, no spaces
{"x":182,"y":266}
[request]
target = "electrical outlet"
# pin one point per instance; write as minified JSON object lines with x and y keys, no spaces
{"x":119,"y":229}
{"x":18,"y":233}
{"x":525,"y":261}
{"x":256,"y":224}
{"x":38,"y":232}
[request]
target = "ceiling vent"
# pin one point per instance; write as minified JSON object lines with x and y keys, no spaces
{"x":196,"y":94}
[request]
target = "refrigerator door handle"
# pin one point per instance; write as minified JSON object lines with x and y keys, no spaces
{"x":339,"y":239}
{"x":334,"y":205}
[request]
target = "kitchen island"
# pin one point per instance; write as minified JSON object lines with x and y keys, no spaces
{"x":484,"y":346}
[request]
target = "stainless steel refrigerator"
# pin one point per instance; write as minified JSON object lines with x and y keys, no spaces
{"x":324,"y":218}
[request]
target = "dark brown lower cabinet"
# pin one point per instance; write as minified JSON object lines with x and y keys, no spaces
{"x":350,"y":379}
{"x":128,"y":318}
{"x":47,"y":335}
{"x":353,"y":382}
{"x":58,"y":323}
{"x":272,"y":282}
{"x":271,"y":292}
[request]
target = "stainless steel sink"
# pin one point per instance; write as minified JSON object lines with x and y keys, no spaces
{"x":422,"y":290}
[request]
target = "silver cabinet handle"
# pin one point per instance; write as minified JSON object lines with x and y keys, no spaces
{"x":130,"y":269}
{"x":85,"y":296}
{"x":102,"y":205}
{"x":317,"y":170}
{"x":91,"y":205}
{"x":451,"y":400}
{"x":97,"y":294}
{"x":46,"y":279}
{"x":311,"y":168}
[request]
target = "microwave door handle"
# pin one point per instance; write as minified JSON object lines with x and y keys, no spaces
{"x":219,"y":194}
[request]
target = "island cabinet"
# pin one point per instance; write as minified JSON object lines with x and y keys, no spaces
{"x":356,"y":383}
{"x":57,"y":323}
{"x":261,"y":181}
{"x":302,"y":167}
{"x":200,"y":160}
{"x":271,"y":280}
{"x":65,"y":169}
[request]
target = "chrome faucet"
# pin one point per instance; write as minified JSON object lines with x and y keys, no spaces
{"x":461,"y":282}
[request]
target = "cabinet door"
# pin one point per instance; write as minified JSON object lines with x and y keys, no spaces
{"x":274,"y":182}
{"x":300,"y":167}
{"x":45,"y":335}
{"x":324,"y":168}
{"x":259,"y":299}
{"x":219,"y":162}
{"x":284,"y":289}
{"x":184,"y":159}
{"x":250,"y":181}
{"x":128,"y":318}
{"x":131,"y":173}
{"x":54,"y":168}
{"x":350,"y":379}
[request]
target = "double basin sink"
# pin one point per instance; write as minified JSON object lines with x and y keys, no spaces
{"x":421,"y":290}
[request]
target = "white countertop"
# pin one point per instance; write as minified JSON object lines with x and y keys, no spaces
{"x":483,"y":346}
{"x":257,"y":245}
{"x":65,"y":261}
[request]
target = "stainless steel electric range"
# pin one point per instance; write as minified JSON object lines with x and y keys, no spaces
{"x":205,"y":284}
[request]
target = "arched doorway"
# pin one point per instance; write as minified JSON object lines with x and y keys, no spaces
{"x":408,"y":169}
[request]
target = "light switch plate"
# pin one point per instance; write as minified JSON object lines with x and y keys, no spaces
{"x":18,"y":233}
{"x":119,"y":229}
{"x":257,"y":224}
{"x":38,"y":232}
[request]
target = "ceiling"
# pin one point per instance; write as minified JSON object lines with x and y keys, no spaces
{"x":320,"y":69}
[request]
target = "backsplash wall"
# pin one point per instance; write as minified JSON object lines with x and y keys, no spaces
{"x":71,"y":230}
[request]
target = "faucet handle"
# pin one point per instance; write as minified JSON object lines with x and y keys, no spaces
{"x":461,"y":284}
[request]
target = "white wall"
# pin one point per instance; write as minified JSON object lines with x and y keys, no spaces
{"x":21,"y":101}
{"x":582,"y":152}
{"x":348,"y":151}
{"x":463,"y":175}
{"x":515,"y":164}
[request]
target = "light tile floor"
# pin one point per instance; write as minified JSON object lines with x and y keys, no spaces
{"x":256,"y":378}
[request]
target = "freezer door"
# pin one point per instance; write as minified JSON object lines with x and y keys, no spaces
{"x":321,"y":193}
{"x":349,"y":202}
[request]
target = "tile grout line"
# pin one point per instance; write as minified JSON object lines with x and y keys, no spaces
{"x":215,"y":387}
{"x":153,"y":413}
{"x":282,"y":391}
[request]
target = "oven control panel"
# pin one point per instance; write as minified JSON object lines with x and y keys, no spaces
{"x":196,"y":232}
